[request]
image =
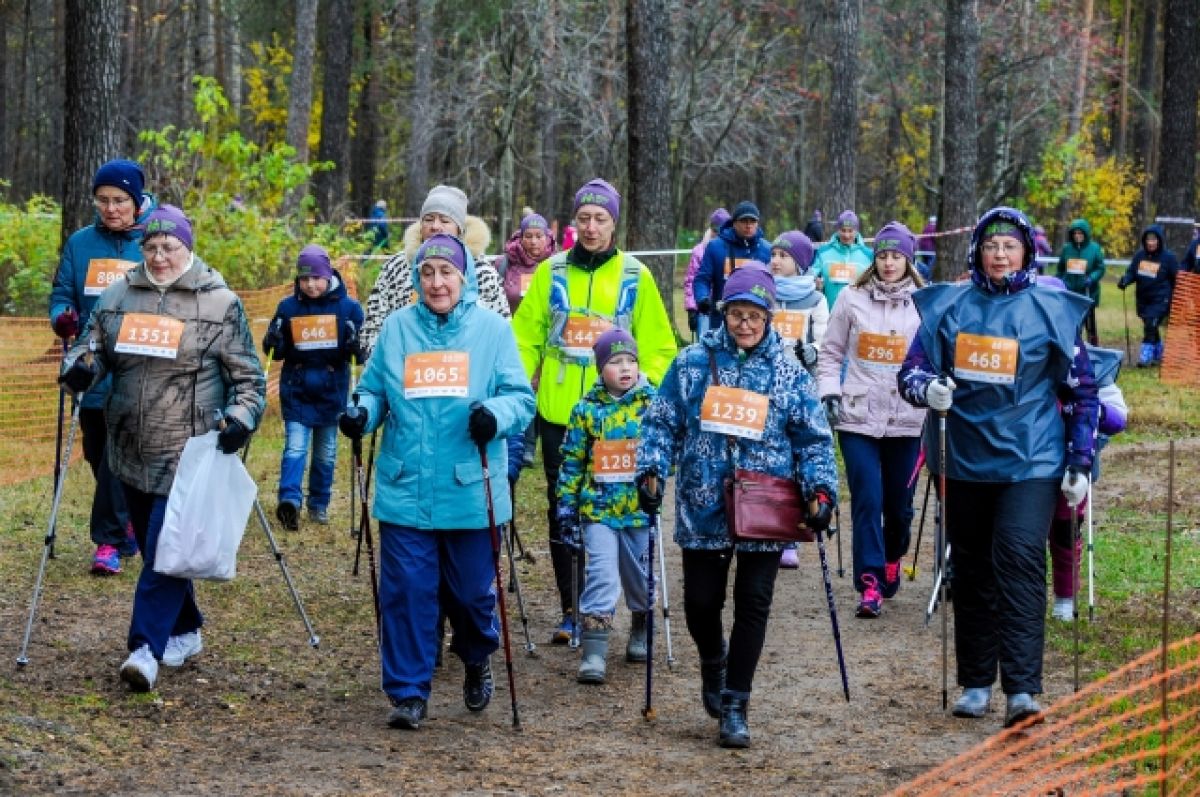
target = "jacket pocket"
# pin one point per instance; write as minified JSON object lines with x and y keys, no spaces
{"x":854,"y":408}
{"x":468,"y":472}
{"x":390,"y":466}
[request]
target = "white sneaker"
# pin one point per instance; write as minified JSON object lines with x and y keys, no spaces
{"x":140,"y":670}
{"x":1064,"y":609}
{"x":181,"y":648}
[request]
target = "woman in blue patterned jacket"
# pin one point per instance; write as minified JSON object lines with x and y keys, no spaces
{"x":790,"y":439}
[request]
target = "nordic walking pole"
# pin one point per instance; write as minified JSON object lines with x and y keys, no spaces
{"x":943,"y":514}
{"x":666,"y":603}
{"x":353,"y":471}
{"x":837,"y":634}
{"x":648,"y":710}
{"x":491,"y":511}
{"x":514,"y":585}
{"x":911,"y":570}
{"x":574,"y":643}
{"x":364,"y":479}
{"x":58,"y":432}
{"x":837,"y":524}
{"x":1128,"y":345}
{"x":1075,"y":593}
{"x":1091,"y":560}
{"x":523,"y":552}
{"x":364,"y":518}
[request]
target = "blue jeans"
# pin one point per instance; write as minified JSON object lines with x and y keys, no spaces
{"x":616,"y":559}
{"x":320,"y":475}
{"x":878,"y":470}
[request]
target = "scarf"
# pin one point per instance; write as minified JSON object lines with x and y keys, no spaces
{"x":795,"y":289}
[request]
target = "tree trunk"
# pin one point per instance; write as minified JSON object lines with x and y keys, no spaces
{"x":5,"y":84}
{"x":1145,"y":127}
{"x":1175,"y":190}
{"x":92,"y":82}
{"x":206,"y":38}
{"x":363,"y":147}
{"x":843,"y":113}
{"x":233,"y":55}
{"x":300,"y":90}
{"x":959,"y":143}
{"x":421,"y":137}
{"x":1123,"y":106}
{"x":330,"y":186}
{"x":1085,"y":48}
{"x":650,"y":214}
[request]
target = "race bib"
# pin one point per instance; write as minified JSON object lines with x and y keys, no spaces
{"x":732,"y":264}
{"x":790,"y":324}
{"x":883,"y":352}
{"x":614,"y":461}
{"x":526,"y":279}
{"x":312,"y":332}
{"x":842,"y":273}
{"x":985,"y":359}
{"x":1077,"y":266}
{"x":149,"y":335}
{"x":437,"y":373}
{"x":102,"y":272}
{"x":1148,"y":268}
{"x":580,"y":335}
{"x":734,"y":411}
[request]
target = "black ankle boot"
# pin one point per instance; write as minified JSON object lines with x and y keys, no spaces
{"x":712,"y":681}
{"x":734,"y":731}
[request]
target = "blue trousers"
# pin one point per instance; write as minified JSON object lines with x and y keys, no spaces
{"x":412,"y":563}
{"x":616,"y":560}
{"x":320,"y":474}
{"x":878,"y":470}
{"x":163,"y":606}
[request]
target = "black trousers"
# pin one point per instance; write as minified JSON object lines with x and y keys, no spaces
{"x":551,"y":437}
{"x":705,"y":580}
{"x":109,"y":514}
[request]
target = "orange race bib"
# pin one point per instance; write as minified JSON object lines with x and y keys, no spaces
{"x":526,"y":280}
{"x":984,"y":358}
{"x":790,"y":324}
{"x":732,"y":264}
{"x":885,"y":352}
{"x":1077,"y":266}
{"x":842,"y":273}
{"x":149,"y":335}
{"x":1148,"y":268}
{"x":312,"y":332}
{"x":102,"y":272}
{"x":580,"y":333}
{"x":614,"y":461}
{"x":437,"y":373}
{"x":734,"y":411}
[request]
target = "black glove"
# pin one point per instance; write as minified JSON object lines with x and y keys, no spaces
{"x":352,"y":347}
{"x":353,"y":422}
{"x":79,"y":377}
{"x":1123,"y":283}
{"x":570,"y":530}
{"x":833,"y":409}
{"x":233,"y":436}
{"x":704,"y":305}
{"x":66,"y":324}
{"x":481,"y":425}
{"x":649,"y":500}
{"x":806,"y":353}
{"x":819,"y":520}
{"x":273,"y":340}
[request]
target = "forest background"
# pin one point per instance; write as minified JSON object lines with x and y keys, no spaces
{"x":311,"y":110}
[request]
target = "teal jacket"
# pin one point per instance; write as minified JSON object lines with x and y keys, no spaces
{"x":429,"y":474}
{"x":1087,"y":283}
{"x":857,"y":254}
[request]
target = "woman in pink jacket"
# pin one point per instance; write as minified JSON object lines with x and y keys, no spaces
{"x":869,"y":332}
{"x":719,"y":217}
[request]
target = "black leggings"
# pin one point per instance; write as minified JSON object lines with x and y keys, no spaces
{"x":1150,"y":333}
{"x":551,"y":436}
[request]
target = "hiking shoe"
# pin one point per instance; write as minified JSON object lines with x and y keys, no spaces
{"x":407,"y":714}
{"x":871,"y":603}
{"x":140,"y":670}
{"x":565,"y":631}
{"x":478,"y":685}
{"x":289,"y":515}
{"x":129,"y":547}
{"x":1022,"y":706}
{"x":181,"y":648}
{"x":107,"y":561}
{"x":733,"y":732}
{"x":635,"y":648}
{"x":973,"y":703}
{"x":789,"y":560}
{"x":891,"y":579}
{"x":319,"y":515}
{"x":1064,"y":609}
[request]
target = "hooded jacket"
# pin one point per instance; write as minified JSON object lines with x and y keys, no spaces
{"x":157,"y":403}
{"x":724,"y":253}
{"x":516,"y":268}
{"x":1154,"y":275}
{"x":857,"y":254}
{"x":1081,"y":277}
{"x":429,"y":472}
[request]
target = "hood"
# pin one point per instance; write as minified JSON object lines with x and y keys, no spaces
{"x":1080,"y":224}
{"x":335,"y":292}
{"x":729,"y":234}
{"x":470,"y":291}
{"x":598,"y":394}
{"x":1162,"y":241}
{"x":517,"y":255}
{"x":149,"y":203}
{"x":836,"y":243}
{"x":477,"y":237}
{"x":1018,"y":280}
{"x":200,"y":277}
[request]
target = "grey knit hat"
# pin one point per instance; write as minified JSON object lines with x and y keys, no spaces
{"x":449,"y":201}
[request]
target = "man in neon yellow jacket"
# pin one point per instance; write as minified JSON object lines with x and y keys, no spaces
{"x":572,"y":299}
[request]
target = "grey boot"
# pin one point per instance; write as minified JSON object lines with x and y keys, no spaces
{"x":635,"y":649}
{"x":594,"y":645}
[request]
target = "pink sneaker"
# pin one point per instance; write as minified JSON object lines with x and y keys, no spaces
{"x":789,"y":560}
{"x":891,"y":579}
{"x":871,"y":603}
{"x":106,"y":562}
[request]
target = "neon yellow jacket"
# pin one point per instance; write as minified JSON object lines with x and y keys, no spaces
{"x":564,"y":380}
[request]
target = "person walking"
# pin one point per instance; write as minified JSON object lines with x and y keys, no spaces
{"x":715,"y":222}
{"x":739,"y":241}
{"x":524,"y":250}
{"x":1081,"y":268}
{"x":843,"y":259}
{"x":1152,"y":271}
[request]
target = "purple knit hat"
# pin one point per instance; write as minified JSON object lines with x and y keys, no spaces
{"x":799,"y":246}
{"x":534,"y":221}
{"x":314,"y":262}
{"x":718,"y":218}
{"x":751,"y":283}
{"x":446,"y":247}
{"x":894,"y":236}
{"x":168,"y":220}
{"x":848,"y":218}
{"x":599,"y":193}
{"x":614,"y":341}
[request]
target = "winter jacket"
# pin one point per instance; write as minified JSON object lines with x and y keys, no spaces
{"x":95,"y":247}
{"x":157,"y":402}
{"x":1081,"y":277}
{"x":796,"y":441}
{"x":429,"y":473}
{"x":1191,"y":258}
{"x":835,"y":253}
{"x":689,"y":277}
{"x":800,"y":293}
{"x":315,"y":379}
{"x":723,"y":254}
{"x":516,"y":268}
{"x":601,"y":416}
{"x":1154,"y":275}
{"x":593,"y":292}
{"x":394,"y":287}
{"x":862,"y":372}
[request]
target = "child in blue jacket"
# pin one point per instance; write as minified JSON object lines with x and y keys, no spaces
{"x":315,"y":334}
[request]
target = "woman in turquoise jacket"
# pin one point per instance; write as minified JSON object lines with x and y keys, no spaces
{"x":444,"y":379}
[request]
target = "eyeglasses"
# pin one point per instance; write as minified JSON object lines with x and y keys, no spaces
{"x":752,"y":319}
{"x":1009,"y":248}
{"x":166,"y":250}
{"x":112,"y":202}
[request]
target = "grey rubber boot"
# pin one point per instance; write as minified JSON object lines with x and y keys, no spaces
{"x":594,"y":645}
{"x":635,"y":649}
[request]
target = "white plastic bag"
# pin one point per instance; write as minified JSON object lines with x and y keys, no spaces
{"x":207,"y":511}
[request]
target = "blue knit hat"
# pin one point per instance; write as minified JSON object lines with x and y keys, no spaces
{"x":746,"y":210}
{"x":126,"y":175}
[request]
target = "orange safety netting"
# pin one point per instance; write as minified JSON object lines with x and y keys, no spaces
{"x":1135,"y":731}
{"x":30,"y":357}
{"x":1181,"y":354}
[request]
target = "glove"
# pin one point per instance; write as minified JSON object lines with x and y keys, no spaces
{"x":570,"y":531}
{"x":353,"y":422}
{"x":352,"y":347}
{"x":79,"y":377}
{"x":1123,"y":283}
{"x":819,"y":521}
{"x":66,"y":324}
{"x":233,"y":436}
{"x":939,"y":393}
{"x":649,"y":501}
{"x":806,"y":353}
{"x":273,"y":340}
{"x":833,"y":409}
{"x":1074,"y":486}
{"x":481,"y":425}
{"x":704,"y":305}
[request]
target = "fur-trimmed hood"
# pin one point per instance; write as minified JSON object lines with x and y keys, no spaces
{"x":477,"y":237}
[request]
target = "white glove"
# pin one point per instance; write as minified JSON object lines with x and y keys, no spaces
{"x":1074,"y":487}
{"x":939,"y":393}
